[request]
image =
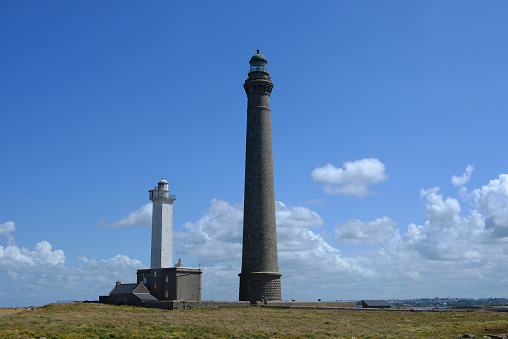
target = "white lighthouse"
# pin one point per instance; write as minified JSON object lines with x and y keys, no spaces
{"x":162,"y":226}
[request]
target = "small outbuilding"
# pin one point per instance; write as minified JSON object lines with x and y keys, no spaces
{"x":375,"y":304}
{"x":127,"y":294}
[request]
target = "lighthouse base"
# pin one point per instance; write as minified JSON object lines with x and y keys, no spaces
{"x":259,"y":286}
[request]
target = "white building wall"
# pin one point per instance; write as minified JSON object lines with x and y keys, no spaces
{"x":167,"y":236}
{"x":162,"y":228}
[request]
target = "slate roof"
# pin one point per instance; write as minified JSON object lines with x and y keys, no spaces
{"x":141,"y":289}
{"x":376,"y":303}
{"x":123,"y":288}
{"x":258,"y":57}
{"x":138,"y":290}
{"x":145,"y":296}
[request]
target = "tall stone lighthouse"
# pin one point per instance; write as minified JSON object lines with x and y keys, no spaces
{"x":260,"y":277}
{"x":162,"y":226}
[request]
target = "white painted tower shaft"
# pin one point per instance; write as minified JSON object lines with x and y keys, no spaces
{"x":162,"y":226}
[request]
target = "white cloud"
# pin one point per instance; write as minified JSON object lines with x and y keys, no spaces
{"x":297,"y":216}
{"x":353,"y":179}
{"x":215,"y":240}
{"x":116,"y":262}
{"x":492,"y":199}
{"x":453,"y":252}
{"x":5,"y":231}
{"x":355,"y":231}
{"x":7,"y":228}
{"x":301,"y":249}
{"x":214,"y":237}
{"x":15,"y":257}
{"x":139,"y":217}
{"x":446,"y":235}
{"x":41,"y":276}
{"x":464,"y":178}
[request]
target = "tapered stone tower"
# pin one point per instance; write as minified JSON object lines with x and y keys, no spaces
{"x":162,"y":226}
{"x":260,"y":277}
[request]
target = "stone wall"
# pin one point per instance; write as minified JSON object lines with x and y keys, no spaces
{"x":324,"y":304}
{"x":182,"y":305}
{"x":260,"y":277}
{"x":180,"y":283}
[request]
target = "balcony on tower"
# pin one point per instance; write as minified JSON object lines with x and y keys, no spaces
{"x":161,"y":191}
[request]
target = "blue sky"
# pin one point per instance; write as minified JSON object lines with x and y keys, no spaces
{"x":376,"y":106}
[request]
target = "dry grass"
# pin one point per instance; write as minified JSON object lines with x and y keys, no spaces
{"x":83,"y":320}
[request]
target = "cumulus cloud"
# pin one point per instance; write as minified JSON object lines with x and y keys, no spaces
{"x":493,"y":199}
{"x":116,"y":262}
{"x":301,"y":249}
{"x":7,"y":228}
{"x":40,"y":276}
{"x":464,"y":178}
{"x":5,"y":231}
{"x":447,"y":235}
{"x":215,"y":240}
{"x":215,"y":236}
{"x":353,"y":179}
{"x":452,"y":253}
{"x":48,"y":282}
{"x":139,"y":217}
{"x":15,"y":257}
{"x":355,"y":231}
{"x":296,"y":216}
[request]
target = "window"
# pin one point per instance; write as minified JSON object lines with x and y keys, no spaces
{"x":250,"y":134}
{"x":144,"y":280}
{"x":250,"y":184}
{"x":167,"y":280}
{"x":154,"y":286}
{"x":248,"y":234}
{"x":166,"y":295}
{"x":154,"y":274}
{"x":258,"y":68}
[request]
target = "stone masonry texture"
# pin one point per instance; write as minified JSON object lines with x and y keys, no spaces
{"x":260,"y":277}
{"x":162,"y":226}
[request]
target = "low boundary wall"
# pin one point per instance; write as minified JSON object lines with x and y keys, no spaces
{"x":184,"y":305}
{"x":317,"y":304}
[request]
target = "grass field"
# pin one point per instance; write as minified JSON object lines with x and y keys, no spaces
{"x":89,"y":320}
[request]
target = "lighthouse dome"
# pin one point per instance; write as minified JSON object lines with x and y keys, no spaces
{"x":163,"y":185}
{"x":258,"y":57}
{"x":258,"y":63}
